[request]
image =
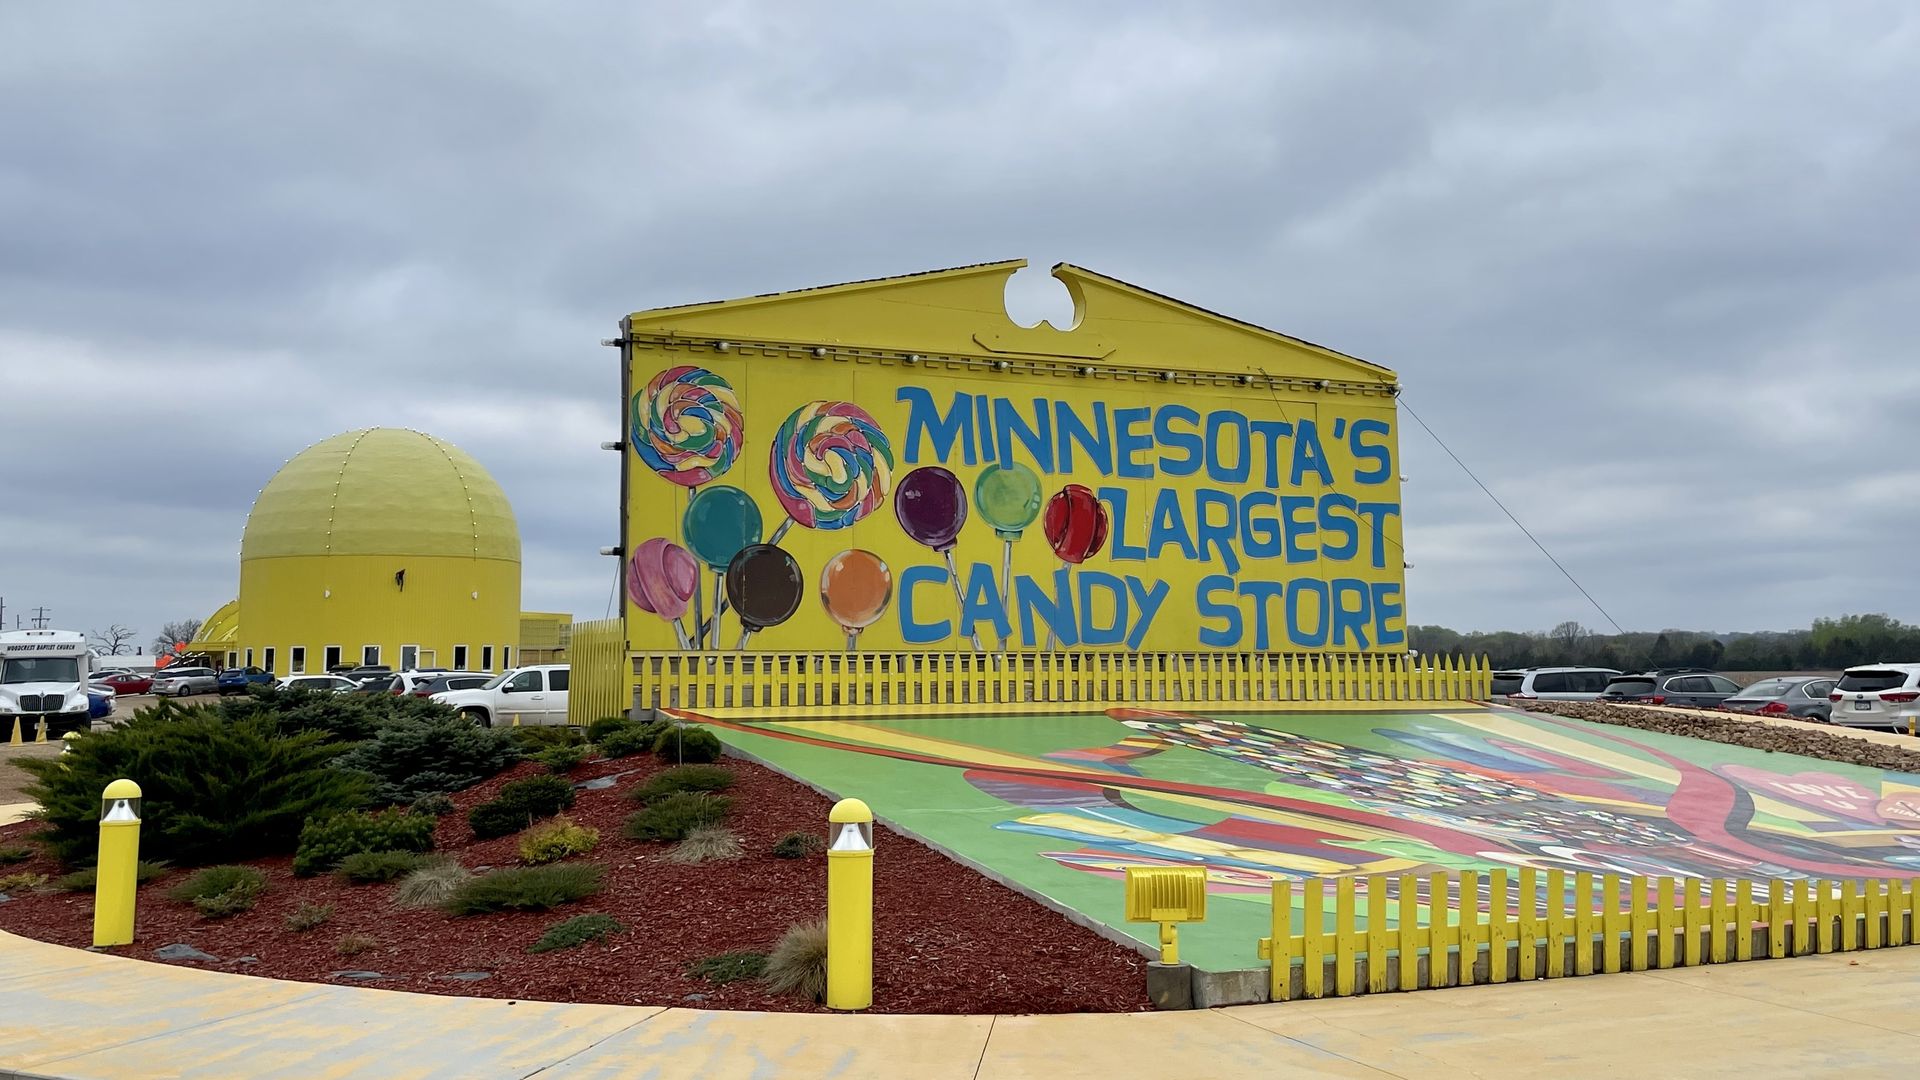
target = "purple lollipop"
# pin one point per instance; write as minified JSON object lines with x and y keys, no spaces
{"x":931,"y":505}
{"x":662,"y":578}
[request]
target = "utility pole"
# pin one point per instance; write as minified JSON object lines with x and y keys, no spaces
{"x":3,"y":613}
{"x":40,"y":618}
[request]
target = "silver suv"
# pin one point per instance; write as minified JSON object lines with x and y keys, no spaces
{"x":1552,"y":683}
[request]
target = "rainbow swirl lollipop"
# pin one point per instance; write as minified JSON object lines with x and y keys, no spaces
{"x":831,"y":465}
{"x":686,"y":425}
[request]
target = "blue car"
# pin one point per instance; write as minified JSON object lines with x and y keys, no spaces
{"x":99,"y":705}
{"x":236,"y":680}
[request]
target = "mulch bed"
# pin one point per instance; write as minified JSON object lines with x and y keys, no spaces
{"x":947,"y":940}
{"x":1774,"y":738}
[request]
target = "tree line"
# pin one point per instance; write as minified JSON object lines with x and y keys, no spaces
{"x":1828,"y":645}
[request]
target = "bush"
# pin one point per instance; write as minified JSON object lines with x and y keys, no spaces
{"x":432,"y":884}
{"x":551,"y":841}
{"x":519,"y":804}
{"x":21,"y":881}
{"x":605,"y":726}
{"x":673,"y":817}
{"x":379,"y":867}
{"x":708,"y":843}
{"x":729,"y":967}
{"x":531,"y":739}
{"x":219,"y":891}
{"x":624,"y":742}
{"x":561,"y":759}
{"x":798,"y":963}
{"x":213,"y":789}
{"x":354,"y":944}
{"x":577,"y":931}
{"x":308,"y":916}
{"x":342,"y":718}
{"x":687,"y":745}
{"x":434,"y":805}
{"x":16,"y":853}
{"x":526,"y":888}
{"x":326,"y":841}
{"x":85,"y":880}
{"x":411,"y":756}
{"x":683,"y":778}
{"x":798,"y":845}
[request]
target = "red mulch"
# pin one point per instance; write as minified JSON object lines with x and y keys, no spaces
{"x":947,"y":940}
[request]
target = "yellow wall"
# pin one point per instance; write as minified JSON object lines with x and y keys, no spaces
{"x":284,"y":602}
{"x":1212,"y":433}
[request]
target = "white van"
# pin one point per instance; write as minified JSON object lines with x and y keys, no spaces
{"x":43,"y":681}
{"x":522,"y":696}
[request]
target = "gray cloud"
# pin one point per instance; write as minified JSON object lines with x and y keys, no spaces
{"x":1648,"y":270}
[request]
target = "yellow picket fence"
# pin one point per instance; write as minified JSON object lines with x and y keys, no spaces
{"x":1408,"y":932}
{"x":597,"y":657}
{"x":774,"y":684}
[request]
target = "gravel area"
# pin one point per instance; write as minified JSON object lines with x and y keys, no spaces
{"x":1805,"y":741}
{"x":948,"y":939}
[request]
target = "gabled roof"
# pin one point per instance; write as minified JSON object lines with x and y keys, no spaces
{"x":962,"y":311}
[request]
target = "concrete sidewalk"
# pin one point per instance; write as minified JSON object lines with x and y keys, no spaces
{"x":80,"y":1016}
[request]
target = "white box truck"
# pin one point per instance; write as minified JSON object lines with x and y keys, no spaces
{"x":43,"y":683}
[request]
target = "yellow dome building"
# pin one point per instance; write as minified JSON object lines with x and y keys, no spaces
{"x":380,"y":546}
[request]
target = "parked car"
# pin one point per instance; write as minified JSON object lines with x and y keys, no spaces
{"x":1877,"y":696}
{"x":126,"y":682}
{"x":524,"y":695}
{"x":1800,"y":696}
{"x":1691,"y":688}
{"x":99,"y":705}
{"x":1552,"y":683}
{"x":422,"y":683}
{"x":318,"y":683}
{"x":236,"y":680}
{"x":181,"y":681}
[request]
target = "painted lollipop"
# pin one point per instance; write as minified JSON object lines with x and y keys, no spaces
{"x":1076,"y":528}
{"x":765,"y":587}
{"x":830,"y":465}
{"x":686,"y":425}
{"x":662,"y":578}
{"x":720,"y":521}
{"x":1008,"y":497}
{"x":931,"y":504}
{"x":855,"y":588}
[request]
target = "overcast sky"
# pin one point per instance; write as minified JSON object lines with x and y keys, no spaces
{"x":1650,"y":269}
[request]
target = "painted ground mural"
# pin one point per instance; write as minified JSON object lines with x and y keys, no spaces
{"x":1063,"y":804}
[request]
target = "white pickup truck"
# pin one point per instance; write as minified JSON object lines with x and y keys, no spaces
{"x":521,"y":697}
{"x":43,"y":681}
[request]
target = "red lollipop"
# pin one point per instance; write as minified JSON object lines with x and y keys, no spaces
{"x":1076,"y":524}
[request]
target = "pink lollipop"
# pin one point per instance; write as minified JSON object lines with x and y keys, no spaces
{"x":662,"y":578}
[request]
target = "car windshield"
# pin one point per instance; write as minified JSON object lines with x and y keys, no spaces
{"x":1630,"y":686}
{"x":31,"y":669}
{"x":1868,"y":681}
{"x":1769,"y":688}
{"x":494,"y":682}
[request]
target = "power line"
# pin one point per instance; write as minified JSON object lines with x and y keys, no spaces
{"x":1516,"y":521}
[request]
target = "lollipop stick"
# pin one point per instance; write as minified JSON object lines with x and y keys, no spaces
{"x":744,"y":635}
{"x":853,"y":640}
{"x":679,"y":633}
{"x":781,"y":531}
{"x":1053,"y":639}
{"x":1006,"y":592}
{"x":699,"y":618}
{"x":959,"y":598}
{"x":719,"y":585}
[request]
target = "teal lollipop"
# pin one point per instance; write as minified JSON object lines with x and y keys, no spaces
{"x":720,"y":521}
{"x":1008,"y":498}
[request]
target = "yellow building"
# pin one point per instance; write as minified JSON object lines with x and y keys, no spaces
{"x":379,"y":546}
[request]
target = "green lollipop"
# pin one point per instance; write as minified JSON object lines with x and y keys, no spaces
{"x":1007,"y":497}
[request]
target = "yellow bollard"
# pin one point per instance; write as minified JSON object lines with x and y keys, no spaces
{"x":850,"y":906}
{"x":119,"y":856}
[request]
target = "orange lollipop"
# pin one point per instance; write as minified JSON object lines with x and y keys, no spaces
{"x":855,"y":588}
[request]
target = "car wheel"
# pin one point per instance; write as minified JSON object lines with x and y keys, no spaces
{"x":476,"y":717}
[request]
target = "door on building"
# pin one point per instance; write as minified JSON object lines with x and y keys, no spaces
{"x":409,"y":658}
{"x":332,"y":658}
{"x":267,"y":659}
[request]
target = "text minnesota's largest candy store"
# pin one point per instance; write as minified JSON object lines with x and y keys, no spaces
{"x":894,"y":464}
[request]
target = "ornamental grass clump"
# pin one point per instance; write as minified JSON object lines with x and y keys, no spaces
{"x":308,"y":916}
{"x":798,"y":963}
{"x":577,"y":931}
{"x":433,"y":884}
{"x":324,"y":842}
{"x":729,"y":967}
{"x":708,"y":843}
{"x":526,"y":888}
{"x":673,"y":817}
{"x":555,"y":839}
{"x":798,"y":845}
{"x":354,"y":944}
{"x":683,"y":778}
{"x":220,"y":891}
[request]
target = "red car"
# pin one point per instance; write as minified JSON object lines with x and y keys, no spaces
{"x":127,"y":682}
